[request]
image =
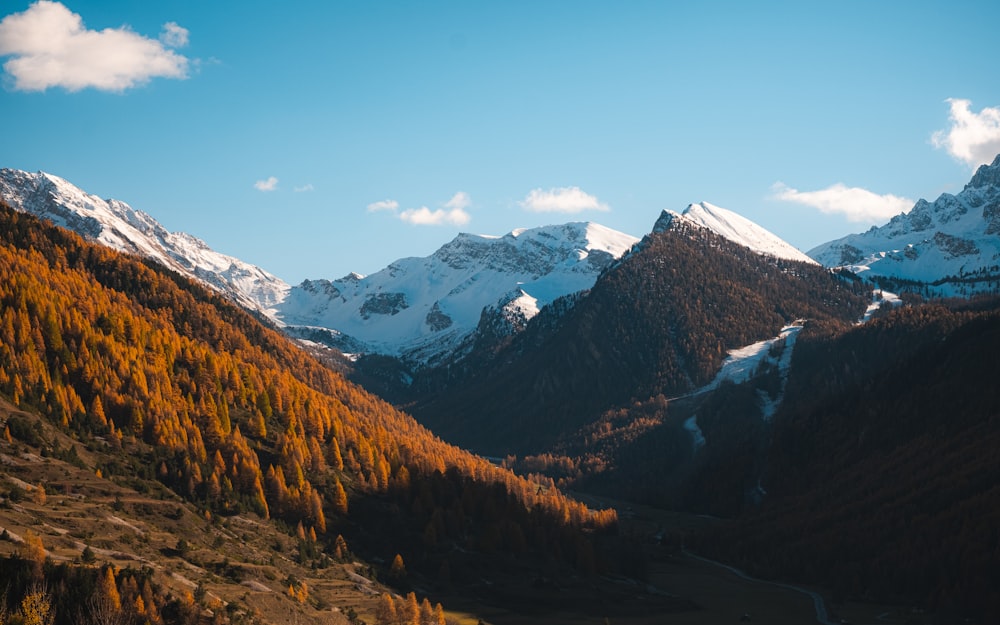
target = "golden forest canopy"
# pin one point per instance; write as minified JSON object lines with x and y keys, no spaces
{"x":237,"y":416}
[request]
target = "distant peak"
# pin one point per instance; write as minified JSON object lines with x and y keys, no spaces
{"x":986,"y":176}
{"x":732,"y":226}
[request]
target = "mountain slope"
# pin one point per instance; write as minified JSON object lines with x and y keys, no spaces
{"x":235,"y":418}
{"x":424,"y":308}
{"x":945,"y":248}
{"x":882,"y":471}
{"x":658,"y":322}
{"x":119,"y":226}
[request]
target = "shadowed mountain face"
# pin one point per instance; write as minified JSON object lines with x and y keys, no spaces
{"x":657,"y":323}
{"x":882,"y":468}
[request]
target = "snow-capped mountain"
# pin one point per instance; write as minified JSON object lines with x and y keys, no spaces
{"x":948,"y":247}
{"x":420,"y":309}
{"x":423,"y":308}
{"x":121,"y":227}
{"x":736,"y":228}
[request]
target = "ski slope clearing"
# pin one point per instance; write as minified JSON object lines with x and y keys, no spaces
{"x":744,"y":363}
{"x":880,"y":298}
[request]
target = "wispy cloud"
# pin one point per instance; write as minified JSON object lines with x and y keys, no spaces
{"x":270,"y":184}
{"x":973,"y":138}
{"x":51,"y":47}
{"x":562,"y":200}
{"x":304,"y":188}
{"x":459,"y":202}
{"x":855,"y":203}
{"x":383,"y":205}
{"x":453,"y":211}
{"x":424,"y":216}
{"x":173,"y":35}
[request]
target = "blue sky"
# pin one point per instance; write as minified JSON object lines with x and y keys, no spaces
{"x":318,"y":138}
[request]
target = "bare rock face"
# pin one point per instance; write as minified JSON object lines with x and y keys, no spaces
{"x":383,"y":304}
{"x":437,"y":320}
{"x":955,"y":246}
{"x":986,"y":176}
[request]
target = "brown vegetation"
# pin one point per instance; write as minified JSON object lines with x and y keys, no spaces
{"x":231,"y":415}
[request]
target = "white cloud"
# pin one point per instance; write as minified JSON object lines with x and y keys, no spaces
{"x":973,"y":138}
{"x":460,"y":201}
{"x":424,"y":216}
{"x":562,"y":200}
{"x":304,"y":188}
{"x":383,"y":205}
{"x":266,"y":185}
{"x":453,"y":213}
{"x":174,"y":35}
{"x":855,"y":203}
{"x":51,"y":48}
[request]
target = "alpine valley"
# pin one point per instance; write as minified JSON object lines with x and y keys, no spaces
{"x":183,"y":443}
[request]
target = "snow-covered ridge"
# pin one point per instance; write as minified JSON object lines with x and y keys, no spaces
{"x":737,"y":229}
{"x":422,"y":309}
{"x":119,"y":226}
{"x":952,"y":241}
{"x":425,"y":308}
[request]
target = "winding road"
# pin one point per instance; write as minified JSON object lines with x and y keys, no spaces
{"x":822,"y":616}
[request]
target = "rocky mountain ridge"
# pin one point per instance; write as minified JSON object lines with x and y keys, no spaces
{"x":948,"y":247}
{"x":119,"y":226}
{"x":426,"y":309}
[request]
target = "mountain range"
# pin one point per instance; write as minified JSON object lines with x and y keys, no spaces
{"x":424,"y":308}
{"x":657,"y":323}
{"x":852,"y":448}
{"x":945,"y":248}
{"x":432,"y":310}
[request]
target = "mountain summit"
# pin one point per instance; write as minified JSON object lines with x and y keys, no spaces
{"x":736,"y":228}
{"x":945,"y":248}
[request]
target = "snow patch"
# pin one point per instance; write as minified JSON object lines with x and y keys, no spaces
{"x":880,"y":298}
{"x":697,"y":437}
{"x":742,"y":364}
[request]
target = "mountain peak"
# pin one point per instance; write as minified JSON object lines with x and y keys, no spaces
{"x":665,"y":221}
{"x":734,"y":227}
{"x":425,"y":308}
{"x":944,"y":248}
{"x":986,"y":176}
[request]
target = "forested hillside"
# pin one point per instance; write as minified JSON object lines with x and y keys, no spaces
{"x":658,"y":323}
{"x":237,"y":419}
{"x":883,"y":468}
